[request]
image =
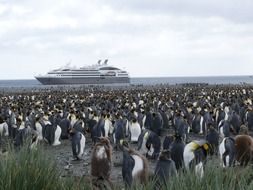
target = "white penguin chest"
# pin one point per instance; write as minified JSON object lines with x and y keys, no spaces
{"x":135,"y":131}
{"x":1,"y":128}
{"x":188,"y":154}
{"x":138,"y":166}
{"x":82,"y":143}
{"x":107,"y":127}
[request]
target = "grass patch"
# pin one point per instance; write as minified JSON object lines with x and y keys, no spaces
{"x":215,"y":177}
{"x":33,"y":169}
{"x":28,"y":169}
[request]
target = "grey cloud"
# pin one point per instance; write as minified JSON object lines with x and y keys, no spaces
{"x":237,"y":11}
{"x":148,"y":38}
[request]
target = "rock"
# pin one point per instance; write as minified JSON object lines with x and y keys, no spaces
{"x":67,"y":167}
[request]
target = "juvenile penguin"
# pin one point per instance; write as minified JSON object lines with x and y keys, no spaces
{"x":165,"y":168}
{"x":101,"y":161}
{"x":135,"y":166}
{"x":78,"y":144}
{"x":244,"y":149}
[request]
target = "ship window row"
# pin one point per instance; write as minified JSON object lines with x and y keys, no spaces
{"x":93,"y":70}
{"x":74,"y":73}
{"x":122,"y":73}
{"x":77,"y":70}
{"x":90,"y":75}
{"x":78,"y":75}
{"x":109,"y":68}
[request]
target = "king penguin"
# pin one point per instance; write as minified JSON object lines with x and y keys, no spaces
{"x":52,"y":134}
{"x":134,"y":167}
{"x":78,"y":144}
{"x":165,"y":167}
{"x":135,"y":130}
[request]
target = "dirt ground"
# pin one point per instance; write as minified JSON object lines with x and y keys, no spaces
{"x":63,"y":157}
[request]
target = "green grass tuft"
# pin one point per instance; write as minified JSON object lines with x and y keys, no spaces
{"x":32,"y":169}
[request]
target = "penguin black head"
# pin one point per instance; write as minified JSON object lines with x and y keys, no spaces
{"x":1,"y":120}
{"x":124,"y":145}
{"x":72,"y":131}
{"x":134,"y":120}
{"x":208,"y":149}
{"x":177,"y":136}
{"x":210,"y":127}
{"x":165,"y":155}
{"x":19,"y":121}
{"x":244,"y":130}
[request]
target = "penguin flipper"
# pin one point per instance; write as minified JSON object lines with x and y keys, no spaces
{"x":79,"y":144}
{"x":140,"y":140}
{"x":127,"y":170}
{"x":74,"y":149}
{"x":103,"y":131}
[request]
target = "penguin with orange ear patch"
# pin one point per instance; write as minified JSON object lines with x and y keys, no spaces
{"x":227,"y":152}
{"x":134,"y":167}
{"x":195,"y":154}
{"x":165,"y":167}
{"x":78,"y":144}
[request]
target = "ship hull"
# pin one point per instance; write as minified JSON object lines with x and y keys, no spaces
{"x":83,"y":81}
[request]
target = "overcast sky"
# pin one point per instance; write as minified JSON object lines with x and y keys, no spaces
{"x":146,"y":37}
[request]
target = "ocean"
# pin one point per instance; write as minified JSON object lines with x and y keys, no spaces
{"x":32,"y":83}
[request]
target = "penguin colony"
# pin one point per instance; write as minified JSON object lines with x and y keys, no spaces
{"x":156,"y":123}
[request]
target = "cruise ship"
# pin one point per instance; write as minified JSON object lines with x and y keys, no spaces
{"x":98,"y":74}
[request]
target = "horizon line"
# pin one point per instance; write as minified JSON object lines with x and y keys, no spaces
{"x":179,"y":76}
